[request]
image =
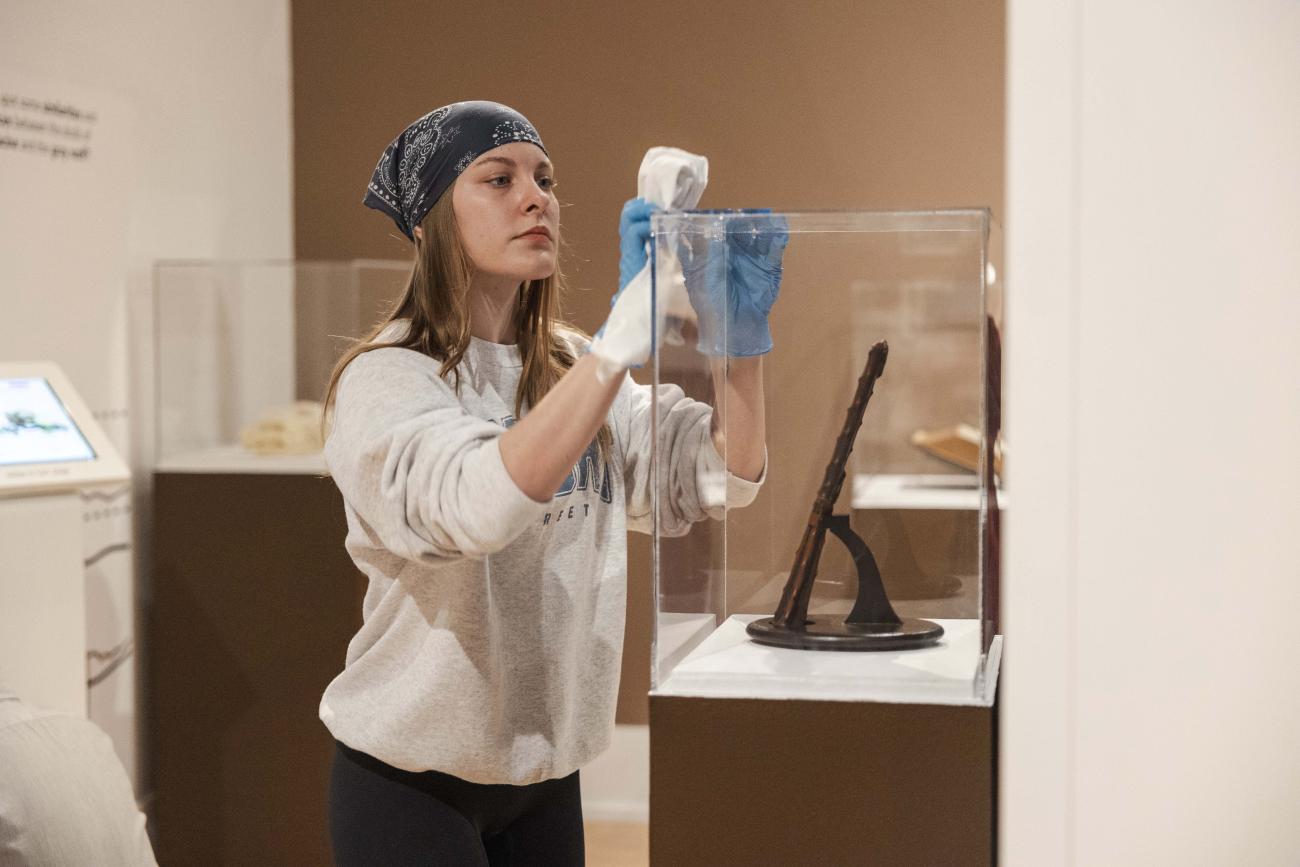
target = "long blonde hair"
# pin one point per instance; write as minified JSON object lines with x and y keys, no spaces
{"x":439,"y":323}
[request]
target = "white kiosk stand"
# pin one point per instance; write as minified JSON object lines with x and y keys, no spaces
{"x":50,"y":449}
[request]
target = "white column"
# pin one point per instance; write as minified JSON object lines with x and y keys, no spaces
{"x":1153,"y":412}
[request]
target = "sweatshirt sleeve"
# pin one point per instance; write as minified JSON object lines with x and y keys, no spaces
{"x":693,"y":479}
{"x":424,"y":476}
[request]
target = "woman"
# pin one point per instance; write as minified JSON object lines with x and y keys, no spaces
{"x":489,"y":477}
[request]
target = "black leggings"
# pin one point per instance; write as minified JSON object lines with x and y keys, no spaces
{"x":382,"y":815}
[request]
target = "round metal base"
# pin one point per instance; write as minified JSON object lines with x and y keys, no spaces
{"x":831,"y":633}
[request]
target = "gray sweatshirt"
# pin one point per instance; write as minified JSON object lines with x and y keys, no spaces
{"x":493,"y":624}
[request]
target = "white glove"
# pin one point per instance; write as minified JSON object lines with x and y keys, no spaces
{"x":669,"y":179}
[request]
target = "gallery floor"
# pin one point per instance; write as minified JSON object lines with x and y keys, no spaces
{"x":618,"y":844}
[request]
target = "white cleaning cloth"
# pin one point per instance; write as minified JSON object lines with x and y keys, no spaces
{"x":674,"y":180}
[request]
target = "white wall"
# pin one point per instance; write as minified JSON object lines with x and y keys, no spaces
{"x":1151,"y":702}
{"x":204,"y":91}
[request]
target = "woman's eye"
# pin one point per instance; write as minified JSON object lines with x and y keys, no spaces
{"x":504,"y":180}
{"x":546,"y":183}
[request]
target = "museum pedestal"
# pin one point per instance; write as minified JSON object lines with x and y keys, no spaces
{"x":879,"y":507}
{"x":253,"y":600}
{"x":765,"y":755}
{"x":764,"y":781}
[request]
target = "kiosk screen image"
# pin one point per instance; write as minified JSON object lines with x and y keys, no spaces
{"x":35,"y":428}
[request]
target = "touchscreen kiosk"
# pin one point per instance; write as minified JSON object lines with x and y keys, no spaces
{"x":48,"y":438}
{"x":51,"y":449}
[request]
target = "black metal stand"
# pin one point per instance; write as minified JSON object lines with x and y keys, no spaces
{"x":871,"y":625}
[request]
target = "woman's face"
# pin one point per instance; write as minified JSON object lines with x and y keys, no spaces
{"x":507,"y":214}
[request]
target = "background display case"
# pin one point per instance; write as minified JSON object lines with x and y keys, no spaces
{"x":921,"y":486}
{"x":238,"y":343}
{"x":251,"y":597}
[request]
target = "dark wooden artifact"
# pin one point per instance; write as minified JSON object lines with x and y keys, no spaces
{"x":872,"y":624}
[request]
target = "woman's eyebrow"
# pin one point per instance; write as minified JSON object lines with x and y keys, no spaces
{"x":544,"y":164}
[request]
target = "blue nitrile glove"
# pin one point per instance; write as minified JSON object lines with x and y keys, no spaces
{"x":627,"y":337}
{"x":633,"y":239}
{"x":733,"y":278}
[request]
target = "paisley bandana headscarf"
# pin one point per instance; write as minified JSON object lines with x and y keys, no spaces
{"x":422,"y":162}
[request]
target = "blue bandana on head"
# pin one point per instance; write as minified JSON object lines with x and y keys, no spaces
{"x":422,"y":162}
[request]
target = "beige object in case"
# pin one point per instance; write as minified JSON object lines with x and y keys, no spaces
{"x":287,"y":430}
{"x":959,"y":444}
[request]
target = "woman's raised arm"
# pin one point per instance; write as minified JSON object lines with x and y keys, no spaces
{"x":542,"y":447}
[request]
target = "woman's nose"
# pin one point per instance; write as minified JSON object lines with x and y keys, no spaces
{"x":536,"y":199}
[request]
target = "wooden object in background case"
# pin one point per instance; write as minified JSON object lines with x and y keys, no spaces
{"x":253,"y":602}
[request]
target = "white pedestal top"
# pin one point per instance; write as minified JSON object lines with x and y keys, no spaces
{"x":677,"y":634}
{"x":236,"y":459}
{"x":953,"y":491}
{"x":728,"y":664}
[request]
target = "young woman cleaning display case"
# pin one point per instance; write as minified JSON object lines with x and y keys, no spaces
{"x":490,"y":468}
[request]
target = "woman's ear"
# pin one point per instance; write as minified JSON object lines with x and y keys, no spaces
{"x":419,"y":233}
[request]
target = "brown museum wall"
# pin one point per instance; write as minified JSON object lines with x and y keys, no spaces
{"x":886,"y":104}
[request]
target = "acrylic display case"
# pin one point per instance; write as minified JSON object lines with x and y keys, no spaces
{"x":921,"y":486}
{"x":244,"y":350}
{"x":247,"y":535}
